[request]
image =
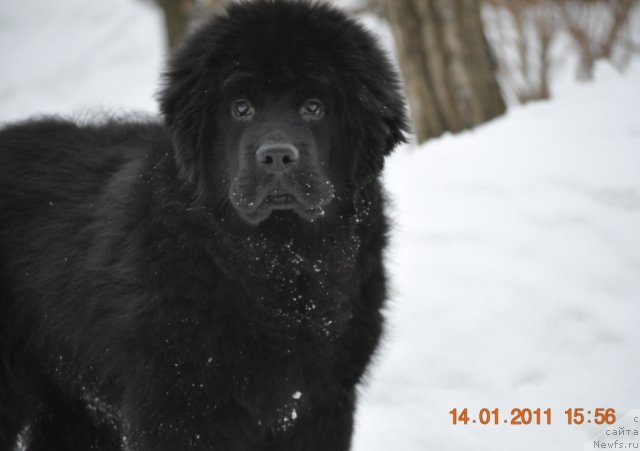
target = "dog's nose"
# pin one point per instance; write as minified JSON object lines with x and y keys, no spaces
{"x":277,"y":158}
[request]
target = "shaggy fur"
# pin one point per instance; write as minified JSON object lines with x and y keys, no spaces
{"x":141,"y":309}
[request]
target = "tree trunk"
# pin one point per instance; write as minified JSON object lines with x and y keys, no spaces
{"x":176,"y":18}
{"x":447,"y":65}
{"x":178,"y":15}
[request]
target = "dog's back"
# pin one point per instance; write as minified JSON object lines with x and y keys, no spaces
{"x":55,"y":186}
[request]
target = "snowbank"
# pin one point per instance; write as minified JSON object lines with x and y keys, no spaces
{"x":516,"y":263}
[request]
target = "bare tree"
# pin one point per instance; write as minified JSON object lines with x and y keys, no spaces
{"x":521,"y":35}
{"x":447,"y":65}
{"x":596,"y":27}
{"x":522,"y":32}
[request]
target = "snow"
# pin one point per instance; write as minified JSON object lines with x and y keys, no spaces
{"x":515,"y":258}
{"x":516,"y":275}
{"x":80,"y":56}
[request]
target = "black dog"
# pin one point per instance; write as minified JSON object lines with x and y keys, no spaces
{"x":214,"y":283}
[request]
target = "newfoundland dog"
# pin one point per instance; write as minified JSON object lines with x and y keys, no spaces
{"x":213,"y":282}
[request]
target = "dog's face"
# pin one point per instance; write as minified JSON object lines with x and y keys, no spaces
{"x":281,"y":108}
{"x":281,"y":146}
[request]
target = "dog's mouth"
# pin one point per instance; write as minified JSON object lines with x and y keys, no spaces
{"x":280,"y":200}
{"x":259,"y":205}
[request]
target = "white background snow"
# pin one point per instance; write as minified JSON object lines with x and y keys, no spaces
{"x":515,"y":259}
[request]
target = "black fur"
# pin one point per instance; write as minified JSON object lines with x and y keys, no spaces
{"x":140,"y":310}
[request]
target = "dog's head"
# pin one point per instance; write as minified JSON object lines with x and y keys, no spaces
{"x":281,"y":105}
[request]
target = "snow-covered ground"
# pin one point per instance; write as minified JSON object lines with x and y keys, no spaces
{"x":516,"y":264}
{"x":516,"y":252}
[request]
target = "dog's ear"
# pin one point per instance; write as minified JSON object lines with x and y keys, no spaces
{"x":376,"y":110}
{"x":183,"y":98}
{"x":378,"y":123}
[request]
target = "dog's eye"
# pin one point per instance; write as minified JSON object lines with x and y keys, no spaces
{"x":242,"y":109}
{"x":312,"y":109}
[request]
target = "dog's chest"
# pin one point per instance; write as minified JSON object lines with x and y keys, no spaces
{"x":277,"y":390}
{"x":283,"y":413}
{"x":302,"y":287}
